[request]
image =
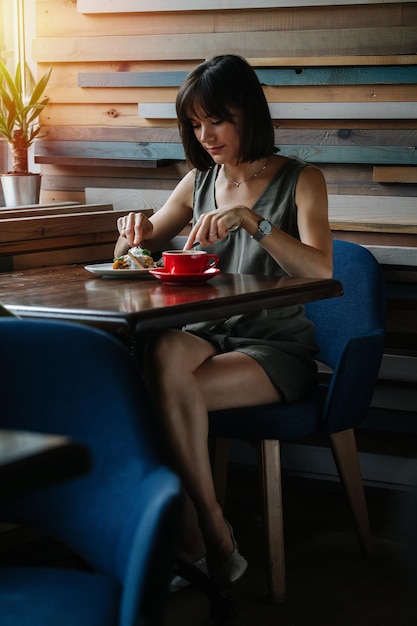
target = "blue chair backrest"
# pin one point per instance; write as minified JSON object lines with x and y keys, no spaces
{"x":72,"y":380}
{"x":361,"y":308}
{"x":350,"y":333}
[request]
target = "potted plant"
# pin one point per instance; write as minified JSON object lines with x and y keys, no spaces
{"x":21,"y":103}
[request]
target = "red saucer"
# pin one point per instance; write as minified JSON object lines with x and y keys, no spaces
{"x":180,"y":279}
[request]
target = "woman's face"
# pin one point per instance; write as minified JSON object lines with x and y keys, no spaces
{"x":219,"y":137}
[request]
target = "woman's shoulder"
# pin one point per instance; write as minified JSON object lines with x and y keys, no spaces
{"x":311,"y":173}
{"x":186,"y":183}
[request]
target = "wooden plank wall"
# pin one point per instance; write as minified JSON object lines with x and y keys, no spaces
{"x":109,"y":6}
{"x":41,"y":235}
{"x":340,"y":79}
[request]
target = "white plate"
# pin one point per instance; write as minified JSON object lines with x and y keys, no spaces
{"x":105,"y":270}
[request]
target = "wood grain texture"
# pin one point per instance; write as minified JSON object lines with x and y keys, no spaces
{"x":114,"y":153}
{"x":306,"y":110}
{"x":274,"y":94}
{"x":384,"y":174}
{"x":128,"y":153}
{"x":347,"y":136}
{"x":61,"y":19}
{"x":406,"y":155}
{"x":56,"y":243}
{"x":333,"y":60}
{"x":358,"y":56}
{"x":125,"y":116}
{"x":158,"y":133}
{"x":375,"y":237}
{"x":69,"y":181}
{"x":384,"y":74}
{"x":128,"y":199}
{"x":147,"y":151}
{"x":374,"y":206}
{"x":27,"y":228}
{"x":38,"y":209}
{"x":124,"y":176}
{"x":63,"y":256}
{"x":54,"y":209}
{"x":394,"y":255}
{"x":128,"y":6}
{"x":376,"y":136}
{"x":63,"y":195}
{"x":375,"y":214}
{"x":367,"y":41}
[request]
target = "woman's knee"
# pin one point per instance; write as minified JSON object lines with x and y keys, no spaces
{"x":161,"y":347}
{"x":179,"y":349}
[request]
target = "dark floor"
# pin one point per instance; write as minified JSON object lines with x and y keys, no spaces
{"x":329,"y":583}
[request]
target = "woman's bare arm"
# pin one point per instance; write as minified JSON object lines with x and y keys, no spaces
{"x":152,"y":233}
{"x":311,"y":256}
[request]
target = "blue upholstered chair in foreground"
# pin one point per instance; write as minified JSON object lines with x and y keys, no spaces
{"x":350,"y":332}
{"x":121,"y":518}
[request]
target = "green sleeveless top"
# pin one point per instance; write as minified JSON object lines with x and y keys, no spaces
{"x":281,"y":339}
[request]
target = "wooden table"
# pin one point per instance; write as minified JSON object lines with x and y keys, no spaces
{"x":126,"y":307}
{"x":30,"y":461}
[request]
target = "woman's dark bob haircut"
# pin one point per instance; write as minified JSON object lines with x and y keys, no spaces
{"x":225,"y":88}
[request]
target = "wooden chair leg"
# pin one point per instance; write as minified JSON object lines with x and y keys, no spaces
{"x":347,"y":460}
{"x":220,"y":456}
{"x":272,"y":492}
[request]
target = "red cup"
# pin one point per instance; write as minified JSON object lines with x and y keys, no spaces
{"x":188,"y":261}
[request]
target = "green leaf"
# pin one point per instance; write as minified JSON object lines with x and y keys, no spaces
{"x":10,"y":84}
{"x":40,"y":88}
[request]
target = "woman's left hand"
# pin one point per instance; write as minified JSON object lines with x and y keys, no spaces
{"x":216,"y":225}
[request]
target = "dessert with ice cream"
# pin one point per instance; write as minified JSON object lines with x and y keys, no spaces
{"x":136,"y":258}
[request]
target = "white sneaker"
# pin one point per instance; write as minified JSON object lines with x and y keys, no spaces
{"x":178,"y":582}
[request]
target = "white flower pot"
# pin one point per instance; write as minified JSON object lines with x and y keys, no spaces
{"x":21,"y":189}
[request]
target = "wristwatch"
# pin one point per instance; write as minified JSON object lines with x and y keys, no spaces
{"x":264,"y":228}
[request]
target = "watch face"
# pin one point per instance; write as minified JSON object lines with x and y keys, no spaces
{"x":265,"y":227}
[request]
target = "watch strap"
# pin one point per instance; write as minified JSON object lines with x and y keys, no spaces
{"x":260,"y":233}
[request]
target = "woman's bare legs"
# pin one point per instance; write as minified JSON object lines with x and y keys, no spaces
{"x":187,"y":378}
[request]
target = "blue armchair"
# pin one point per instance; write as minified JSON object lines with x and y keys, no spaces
{"x":350,"y":333}
{"x":121,"y":517}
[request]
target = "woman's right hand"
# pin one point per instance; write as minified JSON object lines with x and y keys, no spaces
{"x":135,"y":228}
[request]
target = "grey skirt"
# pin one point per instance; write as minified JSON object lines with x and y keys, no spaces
{"x":281,"y":340}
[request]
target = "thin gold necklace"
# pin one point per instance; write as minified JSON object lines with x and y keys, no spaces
{"x":237,"y":183}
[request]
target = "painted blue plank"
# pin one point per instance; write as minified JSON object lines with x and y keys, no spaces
{"x":375,"y":155}
{"x":131,"y":79}
{"x":367,"y":75}
{"x":110,"y":150}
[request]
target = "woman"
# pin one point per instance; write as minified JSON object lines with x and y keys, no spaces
{"x":260,"y":212}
